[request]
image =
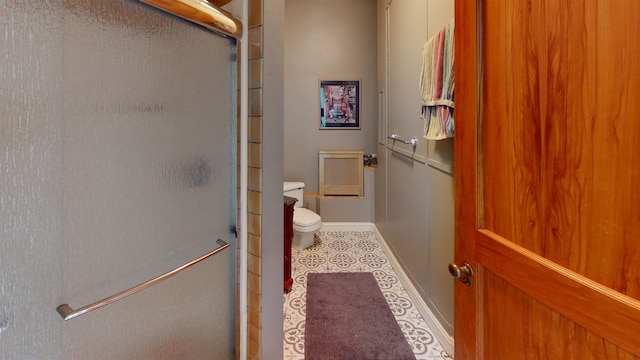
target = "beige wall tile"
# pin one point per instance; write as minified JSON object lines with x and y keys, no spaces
{"x":255,"y":179}
{"x":254,"y":318}
{"x":255,"y":102}
{"x":254,"y":224}
{"x":254,"y":350}
{"x":255,"y":12}
{"x":255,"y":129}
{"x":255,"y":155}
{"x":255,"y":73}
{"x":254,"y":244}
{"x":255,"y":42}
{"x":254,"y":283}
{"x":254,"y":202}
{"x":254,"y":264}
{"x":254,"y":300}
{"x":254,"y":334}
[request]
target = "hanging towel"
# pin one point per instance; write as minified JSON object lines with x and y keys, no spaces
{"x":437,"y":83}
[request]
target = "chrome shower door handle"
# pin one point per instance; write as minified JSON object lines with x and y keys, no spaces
{"x":69,"y":313}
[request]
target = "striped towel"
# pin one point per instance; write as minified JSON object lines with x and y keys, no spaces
{"x":437,"y":83}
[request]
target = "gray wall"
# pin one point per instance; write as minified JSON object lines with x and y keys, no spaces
{"x":326,"y":39}
{"x":414,"y":189}
{"x":272,"y":160}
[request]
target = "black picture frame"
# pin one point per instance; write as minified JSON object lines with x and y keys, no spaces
{"x":339,"y":104}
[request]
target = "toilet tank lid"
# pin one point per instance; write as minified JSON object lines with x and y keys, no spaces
{"x":292,"y":185}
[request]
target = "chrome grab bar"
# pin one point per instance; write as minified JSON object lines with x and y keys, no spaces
{"x":68,"y":313}
{"x":413,"y":142}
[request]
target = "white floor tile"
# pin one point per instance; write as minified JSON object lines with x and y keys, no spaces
{"x":353,"y":251}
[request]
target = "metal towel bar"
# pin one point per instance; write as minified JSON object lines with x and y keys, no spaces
{"x":68,"y":313}
{"x":413,"y":142}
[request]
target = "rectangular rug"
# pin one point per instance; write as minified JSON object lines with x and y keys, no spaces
{"x":349,"y":318}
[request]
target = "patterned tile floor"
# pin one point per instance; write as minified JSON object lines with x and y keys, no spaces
{"x":353,"y":251}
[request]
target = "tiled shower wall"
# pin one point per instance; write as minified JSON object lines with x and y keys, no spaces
{"x":254,"y":196}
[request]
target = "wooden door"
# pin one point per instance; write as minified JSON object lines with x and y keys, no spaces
{"x":547,"y":176}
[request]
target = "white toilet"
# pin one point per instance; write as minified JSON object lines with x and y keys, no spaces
{"x":305,"y":221}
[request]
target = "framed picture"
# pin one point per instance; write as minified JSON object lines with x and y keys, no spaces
{"x":339,"y":104}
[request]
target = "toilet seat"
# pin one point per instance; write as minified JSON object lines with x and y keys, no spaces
{"x":305,"y":220}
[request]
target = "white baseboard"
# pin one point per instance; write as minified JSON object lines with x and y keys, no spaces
{"x":438,"y":330}
{"x":356,"y":226}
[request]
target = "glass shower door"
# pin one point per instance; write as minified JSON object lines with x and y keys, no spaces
{"x":149,"y":183}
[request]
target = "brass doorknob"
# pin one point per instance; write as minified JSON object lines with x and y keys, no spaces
{"x":463,"y":272}
{"x":459,"y":271}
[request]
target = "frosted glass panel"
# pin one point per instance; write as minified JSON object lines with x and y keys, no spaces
{"x":117,"y":164}
{"x":117,"y":147}
{"x":31,"y":179}
{"x":147,"y":162}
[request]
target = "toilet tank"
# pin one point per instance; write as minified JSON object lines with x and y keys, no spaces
{"x":294,"y":190}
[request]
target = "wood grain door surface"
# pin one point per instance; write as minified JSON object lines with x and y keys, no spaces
{"x":547,"y":160}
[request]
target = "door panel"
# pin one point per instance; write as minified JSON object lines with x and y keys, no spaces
{"x":512,"y":314}
{"x":557,"y":179}
{"x":549,"y":134}
{"x":117,"y":135}
{"x":603,"y":311}
{"x":148,"y":182}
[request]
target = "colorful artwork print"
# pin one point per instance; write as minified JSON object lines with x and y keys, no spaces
{"x":339,"y":104}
